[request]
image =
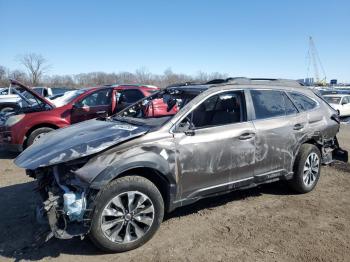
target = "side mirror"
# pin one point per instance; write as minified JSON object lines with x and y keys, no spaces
{"x":344,"y":103}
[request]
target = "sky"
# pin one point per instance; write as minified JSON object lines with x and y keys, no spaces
{"x":240,"y":38}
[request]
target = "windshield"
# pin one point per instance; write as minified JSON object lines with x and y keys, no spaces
{"x":332,"y":99}
{"x":157,"y":109}
{"x":68,"y":97}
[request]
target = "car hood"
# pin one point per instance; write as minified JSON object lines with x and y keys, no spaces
{"x":31,"y":91}
{"x":335,"y":106}
{"x":76,"y":141}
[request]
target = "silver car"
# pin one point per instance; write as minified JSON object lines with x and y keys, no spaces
{"x":113,"y":178}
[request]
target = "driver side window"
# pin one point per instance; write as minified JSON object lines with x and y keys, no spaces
{"x":221,"y":109}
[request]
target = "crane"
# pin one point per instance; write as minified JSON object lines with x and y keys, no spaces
{"x":316,"y":62}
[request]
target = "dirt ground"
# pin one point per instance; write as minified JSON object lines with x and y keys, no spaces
{"x":268,"y":223}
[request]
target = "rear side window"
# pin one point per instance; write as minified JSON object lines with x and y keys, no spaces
{"x":290,"y":107}
{"x":271,"y":103}
{"x":303,"y":102}
{"x":132,"y":95}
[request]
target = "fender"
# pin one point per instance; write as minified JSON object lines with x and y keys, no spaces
{"x":99,"y":171}
{"x":148,"y":159}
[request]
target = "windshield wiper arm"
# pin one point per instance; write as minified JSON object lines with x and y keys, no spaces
{"x":127,"y":120}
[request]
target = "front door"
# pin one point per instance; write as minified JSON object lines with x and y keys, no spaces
{"x":214,"y":145}
{"x":97,"y":104}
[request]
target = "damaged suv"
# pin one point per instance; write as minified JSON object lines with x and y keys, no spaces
{"x":112,"y":178}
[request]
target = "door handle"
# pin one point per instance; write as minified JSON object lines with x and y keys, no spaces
{"x":298,"y":126}
{"x":100,"y":112}
{"x":247,"y":135}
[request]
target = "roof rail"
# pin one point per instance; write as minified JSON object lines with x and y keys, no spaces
{"x":245,"y":80}
{"x":185,"y":84}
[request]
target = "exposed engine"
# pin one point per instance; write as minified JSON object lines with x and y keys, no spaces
{"x":65,"y":201}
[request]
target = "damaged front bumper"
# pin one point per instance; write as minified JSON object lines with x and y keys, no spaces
{"x":66,"y":202}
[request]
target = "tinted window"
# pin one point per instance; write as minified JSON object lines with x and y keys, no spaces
{"x":270,"y":103}
{"x":98,"y":98}
{"x":290,"y":108}
{"x":132,"y":95}
{"x":221,"y":109}
{"x":303,"y":102}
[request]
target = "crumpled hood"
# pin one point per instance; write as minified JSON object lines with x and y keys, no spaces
{"x":76,"y":141}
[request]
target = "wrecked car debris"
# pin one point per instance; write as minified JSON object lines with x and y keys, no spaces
{"x":114,"y":177}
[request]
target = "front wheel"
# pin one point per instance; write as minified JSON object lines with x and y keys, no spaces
{"x":306,"y":169}
{"x":7,"y":109}
{"x":128,"y":212}
{"x":37,"y":134}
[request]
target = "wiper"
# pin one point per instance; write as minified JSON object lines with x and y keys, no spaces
{"x":126,"y":120}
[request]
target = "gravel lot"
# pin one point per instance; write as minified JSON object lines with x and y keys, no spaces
{"x":268,"y":223}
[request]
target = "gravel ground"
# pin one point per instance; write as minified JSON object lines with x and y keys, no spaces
{"x":268,"y":223}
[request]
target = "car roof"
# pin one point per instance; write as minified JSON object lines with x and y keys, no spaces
{"x":132,"y":86}
{"x":239,"y":82}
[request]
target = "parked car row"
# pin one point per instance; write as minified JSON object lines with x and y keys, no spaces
{"x":113,"y":177}
{"x":340,"y":102}
{"x":38,"y":115}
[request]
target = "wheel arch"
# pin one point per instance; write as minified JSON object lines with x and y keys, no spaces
{"x":155,"y":170}
{"x":30,"y":130}
{"x":313,"y":141}
{"x":156,"y":177}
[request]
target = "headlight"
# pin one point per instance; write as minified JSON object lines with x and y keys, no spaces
{"x":12,"y":120}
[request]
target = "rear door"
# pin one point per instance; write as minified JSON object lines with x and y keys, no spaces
{"x":96,"y":104}
{"x":218,"y":149}
{"x":275,"y":118}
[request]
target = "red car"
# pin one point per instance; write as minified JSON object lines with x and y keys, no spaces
{"x":38,"y":115}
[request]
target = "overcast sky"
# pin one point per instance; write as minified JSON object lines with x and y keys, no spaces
{"x":240,"y":38}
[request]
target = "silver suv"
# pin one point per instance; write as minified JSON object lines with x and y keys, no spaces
{"x":113,"y":178}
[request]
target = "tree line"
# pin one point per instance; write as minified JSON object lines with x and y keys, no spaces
{"x":37,"y":69}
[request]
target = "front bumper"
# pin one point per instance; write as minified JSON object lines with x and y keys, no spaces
{"x":6,"y":142}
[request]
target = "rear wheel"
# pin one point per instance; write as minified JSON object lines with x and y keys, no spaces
{"x":128,"y":212}
{"x":306,"y":169}
{"x":37,"y":134}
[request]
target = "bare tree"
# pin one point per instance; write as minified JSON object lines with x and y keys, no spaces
{"x":36,"y":66}
{"x":18,"y":75}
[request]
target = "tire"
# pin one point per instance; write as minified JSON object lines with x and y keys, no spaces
{"x":306,"y":175}
{"x":115,"y":239}
{"x":34,"y":135}
{"x":7,"y":109}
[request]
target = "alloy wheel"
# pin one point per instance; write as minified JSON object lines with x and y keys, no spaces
{"x":311,"y":169}
{"x":127,"y":217}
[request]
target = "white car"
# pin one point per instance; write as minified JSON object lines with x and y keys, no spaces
{"x":11,"y":97}
{"x":340,"y":102}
